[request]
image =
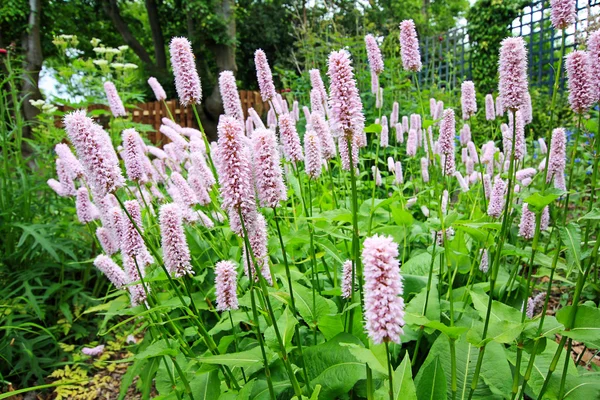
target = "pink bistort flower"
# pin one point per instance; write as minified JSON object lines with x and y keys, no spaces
{"x":268,"y":175}
{"x":187,"y":81}
{"x":383,"y":302}
{"x":225,"y":286}
{"x":582,"y":90}
{"x":86,"y":210}
{"x":312,"y":154}
{"x":527,"y":224}
{"x":409,"y":46}
{"x":231,"y":98}
{"x":374,"y":54}
{"x":563,"y":13}
{"x":292,"y":149}
{"x":593,"y":48}
{"x":114,"y":100}
{"x":468,"y":100}
{"x":264,"y":76}
{"x":111,"y":270}
{"x":512,"y":84}
{"x":176,"y":253}
{"x":490,"y":112}
{"x":347,"y":279}
{"x":557,"y":158}
{"x":157,"y":88}
{"x":446,"y":142}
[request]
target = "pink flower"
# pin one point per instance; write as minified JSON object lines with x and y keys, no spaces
{"x":484,"y":263}
{"x":225,"y":286}
{"x":376,"y":176}
{"x":317,"y":84}
{"x":499,"y":107}
{"x":95,"y":152}
{"x":384,"y":138}
{"x":496,"y":203}
{"x":394,"y":114}
{"x":346,"y":117}
{"x":412,"y":143}
{"x":532,"y":303}
{"x":446,"y":141}
{"x":582,"y":85}
{"x":186,"y":193}
{"x":405,"y":126}
{"x":132,"y":243}
{"x":465,"y":134}
{"x":399,"y":133}
{"x":409,"y":46}
{"x":415,"y":122}
{"x":257,"y":235}
{"x":398,"y":176}
{"x":312,"y":151}
{"x":111,"y":270}
{"x":64,"y":178}
{"x":374,"y":54}
{"x":490,"y":113}
{"x":187,"y":81}
{"x":57,"y":187}
{"x":114,"y":101}
{"x":468,"y":100}
{"x":249,"y":127}
{"x":347,"y":279}
{"x":563,"y":13}
{"x":464,"y":186}
{"x":520,"y":144}
{"x":199,"y":162}
{"x":316,"y":103}
{"x":343,"y":148}
{"x":264,"y":76}
{"x":512,"y":84}
{"x":527,"y":224}
{"x":268,"y":176}
{"x":487,"y":185}
{"x":383,"y":302}
{"x":197,"y":184}
{"x":525,"y":173}
{"x":174,"y":136}
{"x":93,"y":351}
{"x":543,"y":147}
{"x":296,"y":110}
{"x":133,"y":156}
{"x":593,"y":45}
{"x":322,"y":129}
{"x":290,"y":139}
{"x":176,"y":253}
{"x":158,"y":90}
{"x":424,"y":169}
{"x":557,"y":157}
{"x":134,"y":271}
{"x":72,"y":164}
{"x":526,"y":110}
{"x":545,"y":220}
{"x":86,"y":210}
{"x":231,"y":98}
{"x":106,"y":241}
{"x":235,"y":176}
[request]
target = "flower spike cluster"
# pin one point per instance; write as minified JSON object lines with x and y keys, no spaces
{"x":225,"y":286}
{"x":409,"y":46}
{"x":187,"y":81}
{"x":176,"y":253}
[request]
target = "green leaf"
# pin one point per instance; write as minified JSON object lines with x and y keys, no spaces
{"x":286,"y":324}
{"x":330,"y":325}
{"x":246,"y":390}
{"x":586,"y":328}
{"x":431,"y":382}
{"x":404,"y":387}
{"x":207,"y":386}
{"x":368,"y":357}
{"x":303,"y":298}
{"x":402,"y":217}
{"x":593,"y":215}
{"x":242,"y":359}
{"x":571,"y":237}
{"x":537,"y":202}
{"x":159,"y":348}
{"x":333,"y":366}
{"x":373,"y":128}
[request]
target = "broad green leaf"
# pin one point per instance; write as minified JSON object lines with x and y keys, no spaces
{"x":246,"y":390}
{"x":586,"y":328}
{"x":500,"y":311}
{"x":431,"y":381}
{"x":206,"y":386}
{"x":367,"y":356}
{"x":537,"y":201}
{"x":330,"y":325}
{"x":404,"y":387}
{"x":419,"y":265}
{"x":286,"y":324}
{"x":571,"y":237}
{"x":402,"y":217}
{"x":158,"y":348}
{"x":333,"y":366}
{"x":309,"y":311}
{"x":373,"y":128}
{"x":593,"y":215}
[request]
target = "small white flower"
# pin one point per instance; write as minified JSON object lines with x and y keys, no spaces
{"x":37,"y":103}
{"x":117,"y":65}
{"x":95,"y":42}
{"x":130,"y":66}
{"x":100,"y":49}
{"x":123,"y":48}
{"x":100,"y":62}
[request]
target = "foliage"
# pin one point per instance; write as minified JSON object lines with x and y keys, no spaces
{"x":489,"y":22}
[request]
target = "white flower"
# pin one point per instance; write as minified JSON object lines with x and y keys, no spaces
{"x":95,"y":42}
{"x":130,"y":66}
{"x":48,"y":108}
{"x":37,"y":103}
{"x":100,"y":62}
{"x":117,"y":65}
{"x":100,"y":49}
{"x":123,"y":48}
{"x":112,"y":50}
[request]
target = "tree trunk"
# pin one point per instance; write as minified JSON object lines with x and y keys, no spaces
{"x":33,"y":64}
{"x":112,"y":9}
{"x":157,"y":34}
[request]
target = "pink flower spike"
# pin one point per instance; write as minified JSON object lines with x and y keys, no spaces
{"x":114,"y":101}
{"x":317,"y":84}
{"x":398,"y":176}
{"x":133,"y":156}
{"x":312,"y":151}
{"x":72,"y":164}
{"x":187,"y":195}
{"x":424,"y":169}
{"x":64,"y":178}
{"x":322,"y":129}
{"x":132,"y":243}
{"x":106,"y":241}
{"x":526,"y":110}
{"x":496,"y":203}
{"x":257,"y":234}
{"x":446,"y":141}
{"x":346,"y":117}
{"x":347,"y":279}
{"x":187,"y":81}
{"x":563,"y":13}
{"x":464,"y":186}
{"x":411,"y":143}
{"x":93,"y":351}
{"x":527,"y":224}
{"x":86,"y":210}
{"x":176,"y":253}
{"x":96,"y":153}
{"x":593,"y":47}
{"x":394,"y":115}
{"x":225,"y":286}
{"x":57,"y":187}
{"x":409,"y":46}
{"x":384,"y":305}
{"x":111,"y":270}
{"x":468,"y":100}
{"x":230,"y":96}
{"x":582,"y":88}
{"x":158,"y":90}
{"x":264,"y":76}
{"x":512,"y":84}
{"x":268,"y":175}
{"x":399,"y":133}
{"x":290,"y":139}
{"x":465,"y":135}
{"x":499,"y":107}
{"x":384,"y":138}
{"x":484,"y":264}
{"x":557,"y":157}
{"x":374,"y":54}
{"x":490,"y":112}
{"x":343,"y":149}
